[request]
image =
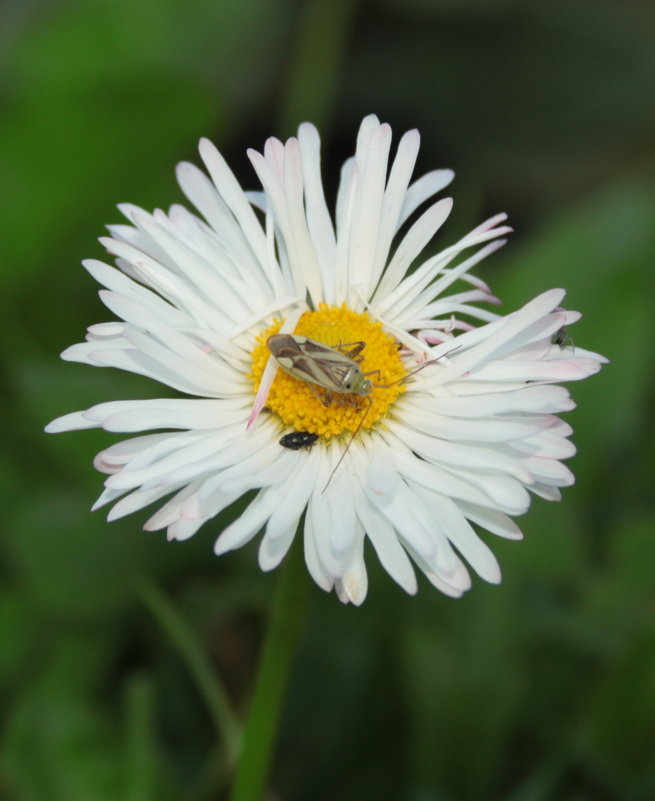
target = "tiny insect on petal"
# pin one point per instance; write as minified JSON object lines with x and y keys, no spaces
{"x":298,"y":439}
{"x":562,"y":338}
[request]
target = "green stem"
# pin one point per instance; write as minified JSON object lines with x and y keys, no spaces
{"x":199,"y":666}
{"x":284,"y":628}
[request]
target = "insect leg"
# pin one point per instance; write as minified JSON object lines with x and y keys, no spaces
{"x":373,"y":372}
{"x":325,"y":397}
{"x":354,"y":352}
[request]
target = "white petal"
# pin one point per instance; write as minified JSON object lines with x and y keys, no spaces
{"x":394,"y":195}
{"x":181,"y":529}
{"x":167,"y":413}
{"x":341,"y":512}
{"x":69,"y":422}
{"x":383,"y":538}
{"x":321,"y":576}
{"x":492,"y":520}
{"x":170,"y":511}
{"x":234,"y":198}
{"x":497,"y":428}
{"x":137,"y":500}
{"x":455,"y":585}
{"x":252,"y":519}
{"x":118,"y":282}
{"x":318,"y":217}
{"x":272,"y":550}
{"x":319,"y":510}
{"x":411,"y":522}
{"x":422,"y":189}
{"x":410,"y":247}
{"x":367,"y":210}
{"x":352,"y":585}
{"x":462,"y":536}
{"x":460,"y":455}
{"x":297,"y":487}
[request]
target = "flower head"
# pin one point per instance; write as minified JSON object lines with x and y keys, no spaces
{"x":409,"y":465}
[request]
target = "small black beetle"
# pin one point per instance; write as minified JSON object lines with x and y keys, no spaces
{"x":298,"y":439}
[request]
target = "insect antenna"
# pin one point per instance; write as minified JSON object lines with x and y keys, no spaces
{"x":416,"y":369}
{"x":350,"y":441}
{"x":370,"y":403}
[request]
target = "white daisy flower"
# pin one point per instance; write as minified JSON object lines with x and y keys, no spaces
{"x":464,"y":441}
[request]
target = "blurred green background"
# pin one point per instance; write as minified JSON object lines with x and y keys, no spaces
{"x":542,"y":688}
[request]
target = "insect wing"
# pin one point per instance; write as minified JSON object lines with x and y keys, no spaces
{"x":298,"y":439}
{"x":316,"y":363}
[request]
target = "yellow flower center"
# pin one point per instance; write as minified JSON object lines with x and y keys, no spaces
{"x":306,"y":406}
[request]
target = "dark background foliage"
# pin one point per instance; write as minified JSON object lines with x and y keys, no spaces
{"x":542,"y":688}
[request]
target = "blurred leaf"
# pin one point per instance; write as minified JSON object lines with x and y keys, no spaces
{"x":140,"y":750}
{"x":18,"y":628}
{"x":619,"y":729}
{"x":621,"y":597}
{"x":49,"y":177}
{"x":317,"y":64}
{"x":463,"y":659}
{"x":97,"y":111}
{"x":552,"y":551}
{"x":208,"y":682}
{"x":63,"y":752}
{"x":541,"y":101}
{"x":68,"y":560}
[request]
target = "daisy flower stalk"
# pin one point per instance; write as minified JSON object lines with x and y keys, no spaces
{"x":466,"y":441}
